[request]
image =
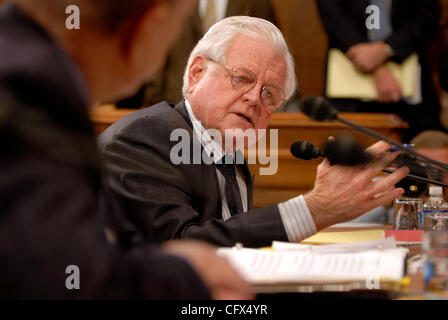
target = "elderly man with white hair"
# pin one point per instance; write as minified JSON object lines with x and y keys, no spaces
{"x":237,"y":76}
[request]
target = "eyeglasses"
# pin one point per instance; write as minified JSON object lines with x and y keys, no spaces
{"x":245,"y":80}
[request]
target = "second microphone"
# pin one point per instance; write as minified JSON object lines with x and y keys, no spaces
{"x":343,"y":151}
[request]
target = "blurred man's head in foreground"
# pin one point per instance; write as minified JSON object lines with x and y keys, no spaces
{"x":119,"y":45}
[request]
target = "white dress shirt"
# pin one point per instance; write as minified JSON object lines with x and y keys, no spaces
{"x":295,"y":215}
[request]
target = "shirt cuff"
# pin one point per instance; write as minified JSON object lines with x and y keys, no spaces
{"x":297,"y":219}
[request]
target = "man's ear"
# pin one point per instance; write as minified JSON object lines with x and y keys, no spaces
{"x":198,"y":68}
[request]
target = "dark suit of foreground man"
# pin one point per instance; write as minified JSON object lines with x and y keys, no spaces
{"x":236,"y":77}
{"x":51,"y":195}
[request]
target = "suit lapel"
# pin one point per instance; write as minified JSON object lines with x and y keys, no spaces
{"x":209,"y":171}
{"x":182,"y":109}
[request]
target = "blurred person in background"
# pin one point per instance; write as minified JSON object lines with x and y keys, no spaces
{"x":406,"y":27}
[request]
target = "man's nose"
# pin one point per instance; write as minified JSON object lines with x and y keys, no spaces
{"x":253,"y":95}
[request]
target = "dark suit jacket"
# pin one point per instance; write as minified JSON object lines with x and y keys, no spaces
{"x":415,"y":26}
{"x":166,"y":201}
{"x":51,"y":196}
{"x":443,"y":70}
{"x":414,"y":22}
{"x":167,"y":85}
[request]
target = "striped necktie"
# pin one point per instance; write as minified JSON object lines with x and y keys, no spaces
{"x":232,"y":191}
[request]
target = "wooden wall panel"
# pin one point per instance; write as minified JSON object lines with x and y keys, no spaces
{"x":300,"y":22}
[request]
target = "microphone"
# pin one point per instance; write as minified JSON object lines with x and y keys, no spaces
{"x":350,"y":154}
{"x":305,"y":150}
{"x":320,"y":109}
{"x":344,"y":151}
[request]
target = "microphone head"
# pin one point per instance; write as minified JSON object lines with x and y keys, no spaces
{"x":318,"y":109}
{"x":345,"y":151}
{"x":305,"y":150}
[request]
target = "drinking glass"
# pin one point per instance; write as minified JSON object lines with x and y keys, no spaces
{"x":408,"y":214}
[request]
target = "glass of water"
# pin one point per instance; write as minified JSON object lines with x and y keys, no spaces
{"x":435,"y":250}
{"x":408,"y":214}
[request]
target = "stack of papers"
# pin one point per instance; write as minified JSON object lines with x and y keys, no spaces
{"x":342,"y":247}
{"x":306,"y":264}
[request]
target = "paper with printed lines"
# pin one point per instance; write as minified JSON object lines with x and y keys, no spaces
{"x":302,"y":266}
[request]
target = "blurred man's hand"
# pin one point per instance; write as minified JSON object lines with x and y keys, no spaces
{"x":221,"y":279}
{"x":342,"y":193}
{"x":387,"y":87}
{"x":368,"y":56}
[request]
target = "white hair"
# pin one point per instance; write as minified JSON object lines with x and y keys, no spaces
{"x":217,"y":40}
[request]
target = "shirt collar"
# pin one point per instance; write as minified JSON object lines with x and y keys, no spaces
{"x":211,"y":147}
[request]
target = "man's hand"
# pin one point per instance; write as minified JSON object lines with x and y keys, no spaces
{"x":343,"y":193}
{"x":221,"y":279}
{"x":368,"y":56}
{"x":387,"y":86}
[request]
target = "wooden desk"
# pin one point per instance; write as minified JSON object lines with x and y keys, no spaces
{"x":294,"y":176}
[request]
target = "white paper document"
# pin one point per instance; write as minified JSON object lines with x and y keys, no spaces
{"x":345,"y":81}
{"x":303,"y":267}
{"x":352,"y":247}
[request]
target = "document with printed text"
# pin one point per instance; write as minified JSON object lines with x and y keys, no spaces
{"x":304,"y":265}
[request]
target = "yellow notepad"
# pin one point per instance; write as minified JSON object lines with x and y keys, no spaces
{"x":345,"y":81}
{"x":345,"y":237}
